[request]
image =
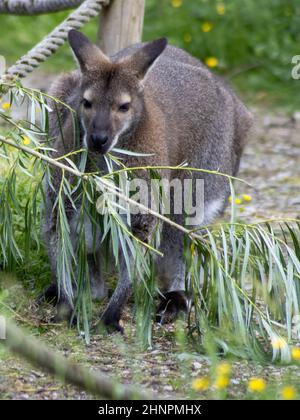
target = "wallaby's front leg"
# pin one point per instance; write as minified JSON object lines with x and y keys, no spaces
{"x":112,"y":314}
{"x":142,"y":227}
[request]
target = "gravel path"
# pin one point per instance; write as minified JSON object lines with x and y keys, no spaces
{"x":271,"y":164}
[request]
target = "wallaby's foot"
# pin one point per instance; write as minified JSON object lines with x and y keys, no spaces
{"x":170,"y":306}
{"x":111,"y":322}
{"x":50,"y":295}
{"x":64,"y":311}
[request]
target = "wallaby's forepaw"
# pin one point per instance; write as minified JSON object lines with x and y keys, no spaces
{"x":170,"y":306}
{"x":111,"y":323}
{"x":50,"y":295}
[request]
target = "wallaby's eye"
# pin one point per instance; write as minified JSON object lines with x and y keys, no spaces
{"x":124,"y":107}
{"x":87,"y":104}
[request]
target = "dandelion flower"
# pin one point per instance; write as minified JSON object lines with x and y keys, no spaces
{"x":296,"y":353}
{"x":201,"y":384}
{"x":187,"y":38}
{"x":221,"y":9}
{"x":288,"y":393}
{"x":26,"y":141}
{"x":238,"y":201}
{"x":222,"y":382}
{"x":207,"y":27}
{"x":211,"y":62}
{"x":176,"y":3}
{"x":257,"y":385}
{"x":224,"y":368}
{"x":246,"y":197}
{"x":6,"y":105}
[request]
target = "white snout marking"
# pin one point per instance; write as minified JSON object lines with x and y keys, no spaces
{"x":85,"y":133}
{"x":117,"y":136}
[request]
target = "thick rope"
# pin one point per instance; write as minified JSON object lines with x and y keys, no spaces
{"x":50,"y":44}
{"x":34,"y":7}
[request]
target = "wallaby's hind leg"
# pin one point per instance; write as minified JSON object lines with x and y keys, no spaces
{"x":171,"y":305}
{"x":171,"y":274}
{"x":171,"y":269}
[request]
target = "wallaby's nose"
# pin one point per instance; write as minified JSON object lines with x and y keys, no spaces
{"x":99,"y":139}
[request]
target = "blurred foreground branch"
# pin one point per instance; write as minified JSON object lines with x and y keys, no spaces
{"x":39,"y":355}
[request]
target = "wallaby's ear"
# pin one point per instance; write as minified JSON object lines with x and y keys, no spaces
{"x":142,"y":60}
{"x":87,"y":54}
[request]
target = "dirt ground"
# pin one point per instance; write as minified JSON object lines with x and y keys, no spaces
{"x":271,"y":163}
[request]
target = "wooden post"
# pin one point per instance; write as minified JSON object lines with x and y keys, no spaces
{"x":121,"y":24}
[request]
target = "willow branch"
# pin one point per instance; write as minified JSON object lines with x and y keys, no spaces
{"x":103,"y":182}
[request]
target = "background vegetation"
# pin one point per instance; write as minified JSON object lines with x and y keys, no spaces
{"x":250,"y":42}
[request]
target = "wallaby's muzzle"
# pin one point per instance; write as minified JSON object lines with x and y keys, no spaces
{"x":100,"y":141}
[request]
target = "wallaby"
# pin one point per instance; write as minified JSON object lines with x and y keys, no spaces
{"x":154,"y":99}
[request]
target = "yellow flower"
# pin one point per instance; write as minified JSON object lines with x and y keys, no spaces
{"x":6,"y":105}
{"x":176,"y":3}
{"x":223,"y":368}
{"x":296,"y":353}
{"x":222,"y":382}
{"x":211,"y":62}
{"x":236,"y":200}
{"x":278,"y":343}
{"x":257,"y":385}
{"x":201,"y":384}
{"x":288,"y":393}
{"x":26,"y":140}
{"x":246,"y":197}
{"x":221,"y":9}
{"x":207,"y":26}
{"x":187,"y":38}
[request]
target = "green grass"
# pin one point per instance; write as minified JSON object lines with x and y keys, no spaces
{"x":171,"y":367}
{"x":253,"y":42}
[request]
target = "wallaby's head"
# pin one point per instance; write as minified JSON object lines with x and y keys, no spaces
{"x":111,"y":94}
